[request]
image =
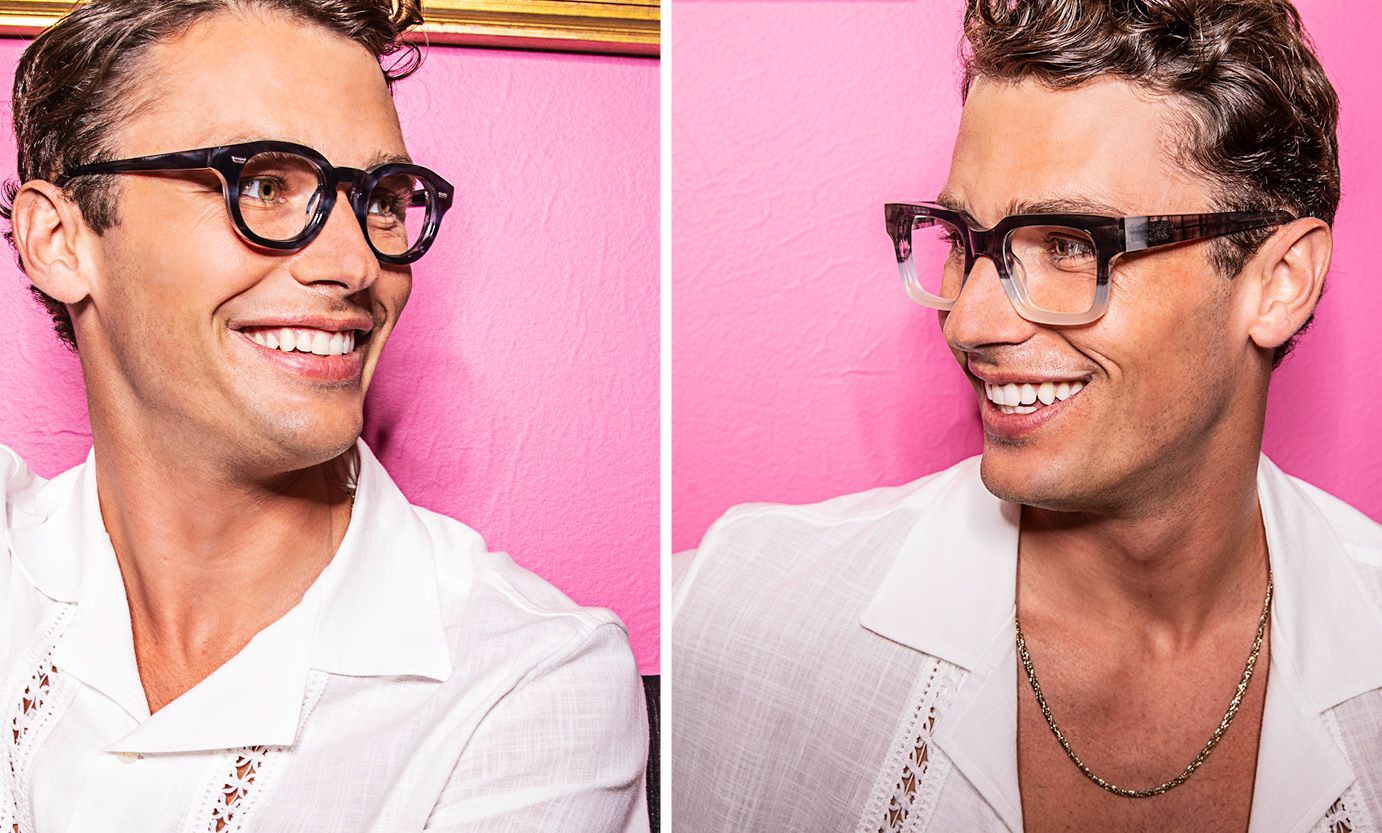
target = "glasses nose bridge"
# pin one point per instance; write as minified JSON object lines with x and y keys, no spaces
{"x":353,"y":178}
{"x":980,"y":244}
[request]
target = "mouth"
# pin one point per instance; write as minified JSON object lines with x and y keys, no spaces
{"x":305,"y":340}
{"x":1030,"y":397}
{"x":328,"y":352}
{"x":1015,"y":408}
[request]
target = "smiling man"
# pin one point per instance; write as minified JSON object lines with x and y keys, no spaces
{"x":229,"y":617}
{"x":1122,"y":616}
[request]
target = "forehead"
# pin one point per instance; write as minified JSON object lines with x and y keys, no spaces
{"x":236,"y":76}
{"x":1104,"y":146}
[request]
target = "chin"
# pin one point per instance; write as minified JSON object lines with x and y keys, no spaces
{"x":300,"y":441}
{"x":1031,"y":476}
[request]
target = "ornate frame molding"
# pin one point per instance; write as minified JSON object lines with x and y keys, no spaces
{"x":625,"y":27}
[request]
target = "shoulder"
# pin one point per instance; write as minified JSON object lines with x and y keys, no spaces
{"x":493,"y":608}
{"x":1360,"y":536}
{"x":18,"y":486}
{"x":869,"y":506}
{"x":861,"y":528}
{"x":17,"y":482}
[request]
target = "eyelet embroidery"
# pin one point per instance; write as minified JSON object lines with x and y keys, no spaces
{"x":1336,"y":819}
{"x":243,"y":774}
{"x":240,"y":780}
{"x":906,"y":791}
{"x":31,"y":710}
{"x":1347,"y":814}
{"x":35,"y":700}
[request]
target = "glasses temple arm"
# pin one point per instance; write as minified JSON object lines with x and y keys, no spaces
{"x":1141,"y":233}
{"x":179,"y":161}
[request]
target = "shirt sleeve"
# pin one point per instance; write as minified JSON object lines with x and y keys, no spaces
{"x":565,"y":751}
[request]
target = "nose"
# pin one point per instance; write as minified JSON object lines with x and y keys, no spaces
{"x":339,"y":254}
{"x":982,"y":314}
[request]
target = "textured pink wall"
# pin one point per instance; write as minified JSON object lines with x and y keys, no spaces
{"x":801,"y":370}
{"x":519,"y":392}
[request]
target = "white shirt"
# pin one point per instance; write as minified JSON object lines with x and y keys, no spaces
{"x":850,"y":665}
{"x":422,"y":683}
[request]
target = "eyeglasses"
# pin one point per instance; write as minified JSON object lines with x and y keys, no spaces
{"x":279,"y":195}
{"x":1053,"y":267}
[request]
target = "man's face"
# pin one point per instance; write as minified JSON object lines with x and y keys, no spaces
{"x":169,"y":339}
{"x":1165,"y":373}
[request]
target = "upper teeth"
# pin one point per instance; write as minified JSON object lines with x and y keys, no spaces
{"x":1025,"y":395}
{"x":305,"y":340}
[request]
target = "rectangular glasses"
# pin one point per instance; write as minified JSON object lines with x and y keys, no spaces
{"x":1053,"y":267}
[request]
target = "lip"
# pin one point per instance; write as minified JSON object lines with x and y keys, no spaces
{"x":1014,"y":427}
{"x":330,"y":369}
{"x":1018,"y":426}
{"x":331,"y":324}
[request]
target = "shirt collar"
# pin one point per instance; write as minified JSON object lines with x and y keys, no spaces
{"x":966,"y":542}
{"x":1324,"y":631}
{"x":375,"y":610}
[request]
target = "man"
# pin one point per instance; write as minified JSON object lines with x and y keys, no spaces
{"x":229,"y":617}
{"x":1122,"y":616}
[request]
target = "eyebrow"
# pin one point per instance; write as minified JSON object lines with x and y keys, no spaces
{"x":1072,"y":204}
{"x":382,"y":157}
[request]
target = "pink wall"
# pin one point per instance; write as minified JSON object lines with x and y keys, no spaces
{"x":801,"y":370}
{"x":520,"y":391}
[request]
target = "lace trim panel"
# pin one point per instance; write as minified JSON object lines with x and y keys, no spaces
{"x":1346,"y":814}
{"x":1336,"y":818}
{"x":906,"y":791}
{"x":241,"y":779}
{"x":35,"y":699}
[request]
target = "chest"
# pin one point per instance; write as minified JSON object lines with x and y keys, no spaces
{"x":1137,"y":738}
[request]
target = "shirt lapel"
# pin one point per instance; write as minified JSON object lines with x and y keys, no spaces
{"x":374,"y":610}
{"x":950,"y":593}
{"x":61,"y":544}
{"x":1325,"y":629}
{"x":385,"y":615}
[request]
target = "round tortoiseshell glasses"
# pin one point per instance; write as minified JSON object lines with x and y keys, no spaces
{"x":279,"y":194}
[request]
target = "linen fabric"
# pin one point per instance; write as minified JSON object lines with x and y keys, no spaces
{"x":422,"y":683}
{"x":850,"y":665}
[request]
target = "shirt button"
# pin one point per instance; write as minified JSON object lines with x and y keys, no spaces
{"x":128,"y":757}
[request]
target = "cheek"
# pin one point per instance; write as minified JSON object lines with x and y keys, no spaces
{"x":167,"y":285}
{"x":390,"y":293}
{"x":1168,"y":332}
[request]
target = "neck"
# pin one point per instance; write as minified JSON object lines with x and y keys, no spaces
{"x":207,"y":552}
{"x":1165,"y":571}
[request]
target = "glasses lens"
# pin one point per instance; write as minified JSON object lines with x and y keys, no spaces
{"x":399,"y":207}
{"x":1057,"y":266}
{"x":279,"y":193}
{"x":933,"y":257}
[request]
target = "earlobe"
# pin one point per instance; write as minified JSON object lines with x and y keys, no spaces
{"x":1291,"y":268}
{"x":48,"y":234}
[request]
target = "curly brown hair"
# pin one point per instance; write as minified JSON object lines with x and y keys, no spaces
{"x":76,"y":83}
{"x":1259,"y":115}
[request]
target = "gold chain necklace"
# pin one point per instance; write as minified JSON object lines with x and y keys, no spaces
{"x":1208,"y":747}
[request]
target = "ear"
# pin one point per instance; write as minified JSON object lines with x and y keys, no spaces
{"x":53,"y":241}
{"x":1288,"y":276}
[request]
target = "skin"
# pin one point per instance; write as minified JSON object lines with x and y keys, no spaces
{"x":219,"y":470}
{"x":1142,"y":555}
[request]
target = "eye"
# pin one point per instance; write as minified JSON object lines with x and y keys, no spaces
{"x":262,"y":188}
{"x":387,"y":204}
{"x":1062,"y":247}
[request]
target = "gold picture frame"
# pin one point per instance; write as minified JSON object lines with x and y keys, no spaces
{"x":623,"y":27}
